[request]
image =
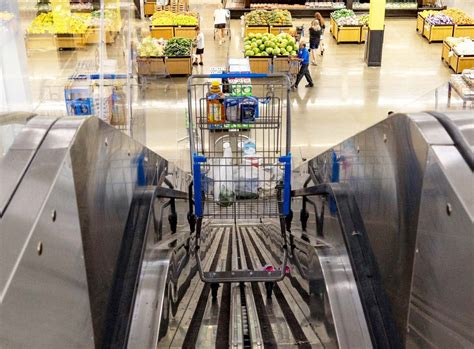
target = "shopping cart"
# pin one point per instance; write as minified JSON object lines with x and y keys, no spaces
{"x":295,"y":64}
{"x":241,"y":164}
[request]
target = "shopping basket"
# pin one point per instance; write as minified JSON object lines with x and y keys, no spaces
{"x":239,"y":129}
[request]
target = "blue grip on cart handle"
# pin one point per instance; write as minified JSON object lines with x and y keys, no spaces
{"x":237,"y":75}
{"x":286,"y":184}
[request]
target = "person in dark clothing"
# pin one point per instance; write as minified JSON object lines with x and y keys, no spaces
{"x":303,"y":55}
{"x":314,"y":39}
{"x":322,"y":24}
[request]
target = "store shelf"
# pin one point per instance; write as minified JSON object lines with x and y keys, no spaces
{"x":260,"y":64}
{"x":463,"y":30}
{"x":162,"y":32}
{"x":458,"y":63}
{"x":179,"y":65}
{"x":189,"y":32}
{"x":256,"y":29}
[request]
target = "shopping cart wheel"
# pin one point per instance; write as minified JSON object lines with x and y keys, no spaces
{"x":269,"y":288}
{"x":214,"y":289}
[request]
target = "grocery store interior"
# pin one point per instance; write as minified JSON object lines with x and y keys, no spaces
{"x":236,"y":173}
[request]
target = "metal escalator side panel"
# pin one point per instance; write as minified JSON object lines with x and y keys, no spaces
{"x":16,"y":161}
{"x":442,"y":303}
{"x":109,"y":167}
{"x":45,"y":302}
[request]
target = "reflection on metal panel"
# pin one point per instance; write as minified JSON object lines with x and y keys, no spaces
{"x":387,"y":167}
{"x":442,"y":300}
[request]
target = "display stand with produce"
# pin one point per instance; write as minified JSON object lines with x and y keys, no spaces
{"x":458,"y":53}
{"x":167,"y":24}
{"x":346,"y":27}
{"x":463,"y":85}
{"x":263,"y":21}
{"x":438,"y":25}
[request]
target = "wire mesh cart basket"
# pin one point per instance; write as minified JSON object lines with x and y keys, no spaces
{"x":239,"y":128}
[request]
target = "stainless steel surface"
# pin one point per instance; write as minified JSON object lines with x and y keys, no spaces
{"x":16,"y":161}
{"x":387,"y":167}
{"x":61,"y":233}
{"x":442,"y":302}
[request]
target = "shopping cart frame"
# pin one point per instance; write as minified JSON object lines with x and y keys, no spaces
{"x":216,"y":277}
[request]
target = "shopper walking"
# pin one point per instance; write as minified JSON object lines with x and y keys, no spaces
{"x":220,"y":21}
{"x":322,"y":24}
{"x":314,"y":39}
{"x":303,"y":55}
{"x":199,"y":47}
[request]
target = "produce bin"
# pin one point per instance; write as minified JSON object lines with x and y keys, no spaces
{"x":350,"y":33}
{"x":277,"y":29}
{"x":179,"y":65}
{"x":255,"y":29}
{"x":188,"y":32}
{"x":70,"y":41}
{"x":40,"y":42}
{"x":463,"y":30}
{"x":445,"y":52}
{"x":281,"y":64}
{"x":437,"y":33}
{"x":260,"y":64}
{"x":149,"y":8}
{"x":162,"y":32}
{"x":92,"y":36}
{"x":151,"y":66}
{"x":458,"y":63}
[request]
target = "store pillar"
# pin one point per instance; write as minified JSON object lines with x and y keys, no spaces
{"x":374,"y":43}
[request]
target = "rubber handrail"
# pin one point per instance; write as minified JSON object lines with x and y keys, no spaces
{"x":460,"y":142}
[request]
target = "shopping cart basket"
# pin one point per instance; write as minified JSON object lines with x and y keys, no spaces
{"x":241,"y":160}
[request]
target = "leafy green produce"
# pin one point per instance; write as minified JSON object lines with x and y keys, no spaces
{"x":342,"y":13}
{"x":178,"y":47}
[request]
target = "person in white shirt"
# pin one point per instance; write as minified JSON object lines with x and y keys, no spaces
{"x":199,"y":47}
{"x":220,"y":21}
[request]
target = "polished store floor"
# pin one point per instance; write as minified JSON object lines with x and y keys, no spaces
{"x":347,"y":97}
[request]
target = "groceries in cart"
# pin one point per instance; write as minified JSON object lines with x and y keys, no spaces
{"x":222,"y":108}
{"x":240,"y":177}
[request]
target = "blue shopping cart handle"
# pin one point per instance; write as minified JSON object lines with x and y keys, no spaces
{"x":238,"y":75}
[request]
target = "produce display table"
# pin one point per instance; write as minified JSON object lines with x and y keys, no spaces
{"x":40,"y":42}
{"x":164,"y":66}
{"x":260,"y":64}
{"x":277,"y":29}
{"x":189,"y":32}
{"x":463,"y":30}
{"x":162,"y":32}
{"x":179,"y":65}
{"x":281,"y":64}
{"x":255,"y":29}
{"x":460,"y":62}
{"x":420,"y":22}
{"x":65,"y":41}
{"x":350,"y":34}
{"x":437,"y":33}
{"x":92,"y":36}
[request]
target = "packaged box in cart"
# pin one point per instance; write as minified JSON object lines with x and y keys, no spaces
{"x":240,"y":87}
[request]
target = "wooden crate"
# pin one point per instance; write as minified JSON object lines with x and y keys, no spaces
{"x":179,"y":65}
{"x":256,"y":29}
{"x":185,"y":32}
{"x":437,"y":33}
{"x":260,"y":65}
{"x":459,"y":63}
{"x":40,"y":42}
{"x":149,"y":8}
{"x":463,"y":30}
{"x":348,"y":34}
{"x":70,"y":41}
{"x":277,"y":29}
{"x":151,"y":66}
{"x":162,"y":32}
{"x":445,"y":52}
{"x":281,"y":64}
{"x":92,"y":36}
